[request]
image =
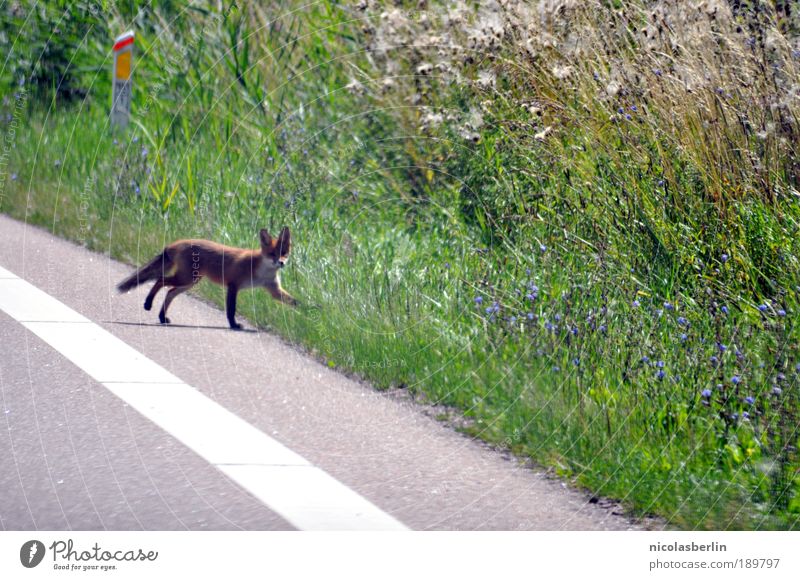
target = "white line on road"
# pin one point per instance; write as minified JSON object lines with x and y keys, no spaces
{"x":287,"y":483}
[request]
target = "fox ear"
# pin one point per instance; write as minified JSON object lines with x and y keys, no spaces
{"x":266,"y":239}
{"x":285,"y":240}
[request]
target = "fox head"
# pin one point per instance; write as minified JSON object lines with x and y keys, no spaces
{"x":276,"y":250}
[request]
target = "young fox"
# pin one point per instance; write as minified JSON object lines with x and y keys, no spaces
{"x":183,"y":264}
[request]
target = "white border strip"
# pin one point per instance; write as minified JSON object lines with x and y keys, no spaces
{"x":285,"y":482}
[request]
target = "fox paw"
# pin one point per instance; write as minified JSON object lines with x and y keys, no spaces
{"x":236,"y":326}
{"x":163,"y":320}
{"x":148,"y":305}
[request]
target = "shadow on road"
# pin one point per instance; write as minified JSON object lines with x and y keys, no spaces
{"x":172,"y":325}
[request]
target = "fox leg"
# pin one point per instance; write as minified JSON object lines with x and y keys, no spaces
{"x":173,"y":292}
{"x":281,"y":295}
{"x":148,"y":302}
{"x":230,"y":307}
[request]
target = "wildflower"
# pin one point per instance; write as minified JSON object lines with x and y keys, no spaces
{"x":634,"y":109}
{"x":714,"y":360}
{"x":668,"y":306}
{"x":144,"y":152}
{"x":13,"y":177}
{"x":636,"y":304}
{"x":557,"y":317}
{"x":724,"y":258}
{"x":750,"y":400}
{"x":777,"y":391}
{"x":542,"y":248}
{"x":735,"y":379}
{"x":620,"y":110}
{"x":576,"y":362}
{"x":762,"y":307}
{"x":724,"y":310}
{"x":684,"y":337}
{"x":781,"y":377}
{"x":645,"y":359}
{"x":745,"y":415}
{"x":797,"y":368}
{"x":781,"y":312}
{"x":660,"y":375}
{"x":735,"y":417}
{"x":706,"y":393}
{"x":628,"y":117}
{"x":574,"y":331}
{"x":512,"y":320}
{"x":603,"y":328}
{"x":530,"y":316}
{"x":135,"y":139}
{"x":478,"y":299}
{"x":683,"y":321}
{"x":661,"y":183}
{"x":721,"y":347}
{"x":657,"y":72}
{"x":556,"y":368}
{"x":660,"y":364}
{"x":493,"y":309}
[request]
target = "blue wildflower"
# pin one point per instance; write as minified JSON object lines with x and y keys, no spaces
{"x":762,"y":307}
{"x":750,"y":400}
{"x":724,"y":310}
{"x":13,"y":177}
{"x":668,"y":306}
{"x":620,"y":110}
{"x":706,"y":393}
{"x":714,"y":360}
{"x":636,"y":304}
{"x":724,"y":258}
{"x":683,"y":321}
{"x":781,"y":312}
{"x":657,"y":72}
{"x":530,"y":316}
{"x":478,"y":299}
{"x":684,"y":337}
{"x":745,"y":415}
{"x":603,"y":328}
{"x":777,"y":391}
{"x":721,"y":347}
{"x":628,"y":117}
{"x":660,"y":375}
{"x":736,"y":380}
{"x":576,"y":362}
{"x":660,"y":364}
{"x":542,"y":248}
{"x":645,"y":359}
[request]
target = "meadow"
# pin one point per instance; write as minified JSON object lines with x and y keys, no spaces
{"x":577,"y":224}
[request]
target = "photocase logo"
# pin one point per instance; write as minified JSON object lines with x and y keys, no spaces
{"x":31,"y":553}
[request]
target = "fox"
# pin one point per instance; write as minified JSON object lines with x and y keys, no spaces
{"x":184,"y":263}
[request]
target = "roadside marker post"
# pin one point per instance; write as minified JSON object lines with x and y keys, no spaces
{"x":122,"y":84}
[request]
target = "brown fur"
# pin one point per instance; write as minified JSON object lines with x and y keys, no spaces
{"x":184,"y":263}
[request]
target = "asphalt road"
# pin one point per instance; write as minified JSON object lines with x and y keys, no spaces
{"x":73,"y":456}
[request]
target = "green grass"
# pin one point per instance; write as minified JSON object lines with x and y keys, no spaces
{"x":445,"y":240}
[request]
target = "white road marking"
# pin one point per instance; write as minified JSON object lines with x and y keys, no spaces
{"x":287,"y":483}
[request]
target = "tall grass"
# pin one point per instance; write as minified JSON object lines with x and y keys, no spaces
{"x":576,"y":222}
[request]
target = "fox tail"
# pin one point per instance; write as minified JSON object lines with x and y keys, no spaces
{"x":156,"y":267}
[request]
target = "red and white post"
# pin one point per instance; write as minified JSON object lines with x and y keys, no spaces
{"x":122,"y":84}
